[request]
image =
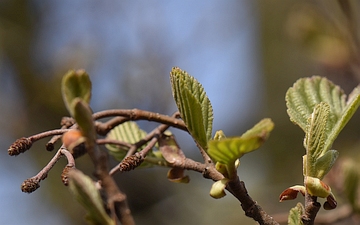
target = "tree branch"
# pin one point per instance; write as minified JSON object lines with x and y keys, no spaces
{"x":250,"y":207}
{"x":135,"y":114}
{"x":33,"y":183}
{"x":312,"y":207}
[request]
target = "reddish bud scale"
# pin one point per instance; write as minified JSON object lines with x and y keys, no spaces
{"x":330,"y":203}
{"x":20,"y":146}
{"x":292,"y":192}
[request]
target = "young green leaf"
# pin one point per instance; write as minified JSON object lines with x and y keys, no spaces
{"x":228,"y":150}
{"x":324,"y":163}
{"x":314,"y":141}
{"x":295,"y":215}
{"x":348,"y":111}
{"x":75,"y":84}
{"x":315,"y":132}
{"x":128,"y":132}
{"x":193,"y":104}
{"x":83,"y":116}
{"x":306,"y":93}
{"x":88,"y":195}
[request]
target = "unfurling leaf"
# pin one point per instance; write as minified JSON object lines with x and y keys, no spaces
{"x":193,"y":104}
{"x":324,"y":163}
{"x":88,"y":195}
{"x":228,"y":150}
{"x":219,"y":135}
{"x":315,"y":131}
{"x":306,"y":93}
{"x":319,"y":160}
{"x":75,"y":84}
{"x":295,"y":215}
{"x":128,"y":132}
{"x":316,"y":187}
{"x":83,"y":117}
{"x":218,"y":188}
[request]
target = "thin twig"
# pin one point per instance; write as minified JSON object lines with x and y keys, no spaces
{"x":113,"y":142}
{"x":69,"y":156}
{"x":33,"y":183}
{"x":151,"y":139}
{"x":49,"y":133}
{"x":102,"y":128}
{"x":128,"y":163}
{"x":136,"y":114}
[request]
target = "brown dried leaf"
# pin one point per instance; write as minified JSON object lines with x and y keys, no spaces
{"x":171,"y":150}
{"x":176,"y":175}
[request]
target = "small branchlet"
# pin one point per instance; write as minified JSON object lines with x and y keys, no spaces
{"x":21,"y":145}
{"x":68,"y":167}
{"x":33,"y":183}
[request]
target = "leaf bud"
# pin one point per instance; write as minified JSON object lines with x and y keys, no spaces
{"x":30,"y":185}
{"x":20,"y":146}
{"x":330,"y":202}
{"x":131,"y":162}
{"x":316,"y":187}
{"x":218,"y":188}
{"x":71,"y":138}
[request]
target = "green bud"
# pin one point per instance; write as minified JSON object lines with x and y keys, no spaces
{"x":218,"y":188}
{"x":316,"y":187}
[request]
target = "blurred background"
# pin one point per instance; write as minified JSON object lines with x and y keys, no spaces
{"x":245,"y":53}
